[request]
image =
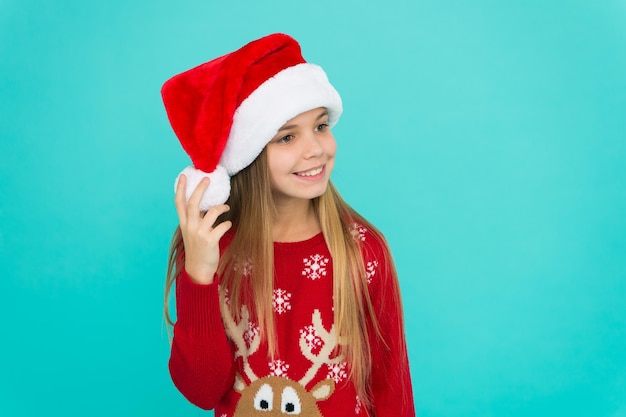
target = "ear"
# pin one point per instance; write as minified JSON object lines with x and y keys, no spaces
{"x":239,"y":383}
{"x":323,"y":389}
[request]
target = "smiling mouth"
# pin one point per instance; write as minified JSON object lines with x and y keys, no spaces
{"x":310,"y":173}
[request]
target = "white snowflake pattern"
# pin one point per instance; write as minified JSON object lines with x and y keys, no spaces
{"x":370,"y":270}
{"x":357,"y":409}
{"x":252,"y":331}
{"x":244,"y":266}
{"x":226,"y":295}
{"x":358,"y":232}
{"x":281,"y":301}
{"x":278,"y":368}
{"x":315,"y":266}
{"x":337,"y":371}
{"x":310,"y":337}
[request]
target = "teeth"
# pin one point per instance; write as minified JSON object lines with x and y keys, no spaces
{"x":310,"y":173}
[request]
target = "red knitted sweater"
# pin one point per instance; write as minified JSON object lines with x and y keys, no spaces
{"x":207,"y":360}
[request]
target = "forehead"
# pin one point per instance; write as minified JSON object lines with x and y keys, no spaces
{"x":313,"y":114}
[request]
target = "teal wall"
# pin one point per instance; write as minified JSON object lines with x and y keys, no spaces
{"x":487,"y":139}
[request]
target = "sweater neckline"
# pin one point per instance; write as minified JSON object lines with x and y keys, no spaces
{"x":303,"y":244}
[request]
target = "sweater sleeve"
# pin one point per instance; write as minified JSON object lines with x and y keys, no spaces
{"x":201,"y":361}
{"x":392,"y":393}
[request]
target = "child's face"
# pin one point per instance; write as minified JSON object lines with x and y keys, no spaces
{"x":301,"y":156}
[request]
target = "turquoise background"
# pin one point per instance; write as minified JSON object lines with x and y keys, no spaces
{"x":487,"y":140}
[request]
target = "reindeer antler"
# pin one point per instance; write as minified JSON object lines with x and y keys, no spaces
{"x":236,"y":333}
{"x":330,"y":343}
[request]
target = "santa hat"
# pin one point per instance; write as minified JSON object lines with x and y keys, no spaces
{"x":226,"y":110}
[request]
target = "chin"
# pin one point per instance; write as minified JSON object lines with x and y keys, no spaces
{"x":319,"y":192}
{"x":304,"y":194}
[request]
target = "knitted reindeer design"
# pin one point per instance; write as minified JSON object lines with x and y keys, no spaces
{"x":274,"y":395}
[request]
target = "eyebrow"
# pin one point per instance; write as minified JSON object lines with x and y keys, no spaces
{"x":322,"y":114}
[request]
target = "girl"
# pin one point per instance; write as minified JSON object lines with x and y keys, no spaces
{"x":287,"y":300}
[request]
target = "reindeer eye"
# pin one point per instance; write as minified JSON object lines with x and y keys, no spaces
{"x":290,"y":402}
{"x":263,"y":398}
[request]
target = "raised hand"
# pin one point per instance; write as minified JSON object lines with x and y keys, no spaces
{"x":201,"y":239}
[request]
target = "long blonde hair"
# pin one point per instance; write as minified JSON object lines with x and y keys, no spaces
{"x":251,"y":205}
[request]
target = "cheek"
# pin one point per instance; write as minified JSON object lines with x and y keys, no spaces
{"x":275,"y":163}
{"x":330,"y":147}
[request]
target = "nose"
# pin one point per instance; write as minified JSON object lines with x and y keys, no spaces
{"x":312,"y":146}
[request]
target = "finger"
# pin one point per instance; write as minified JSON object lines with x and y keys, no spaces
{"x":193,"y":206}
{"x":212,"y":215}
{"x":222,"y":228}
{"x":180,"y":200}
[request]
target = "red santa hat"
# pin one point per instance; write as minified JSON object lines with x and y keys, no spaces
{"x":226,"y":110}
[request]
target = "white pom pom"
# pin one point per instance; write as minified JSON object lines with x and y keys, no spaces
{"x":219,"y":187}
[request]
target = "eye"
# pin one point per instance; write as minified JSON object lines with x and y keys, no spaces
{"x":321,"y":127}
{"x":285,"y":139}
{"x":290,"y":402}
{"x":264,"y":398}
